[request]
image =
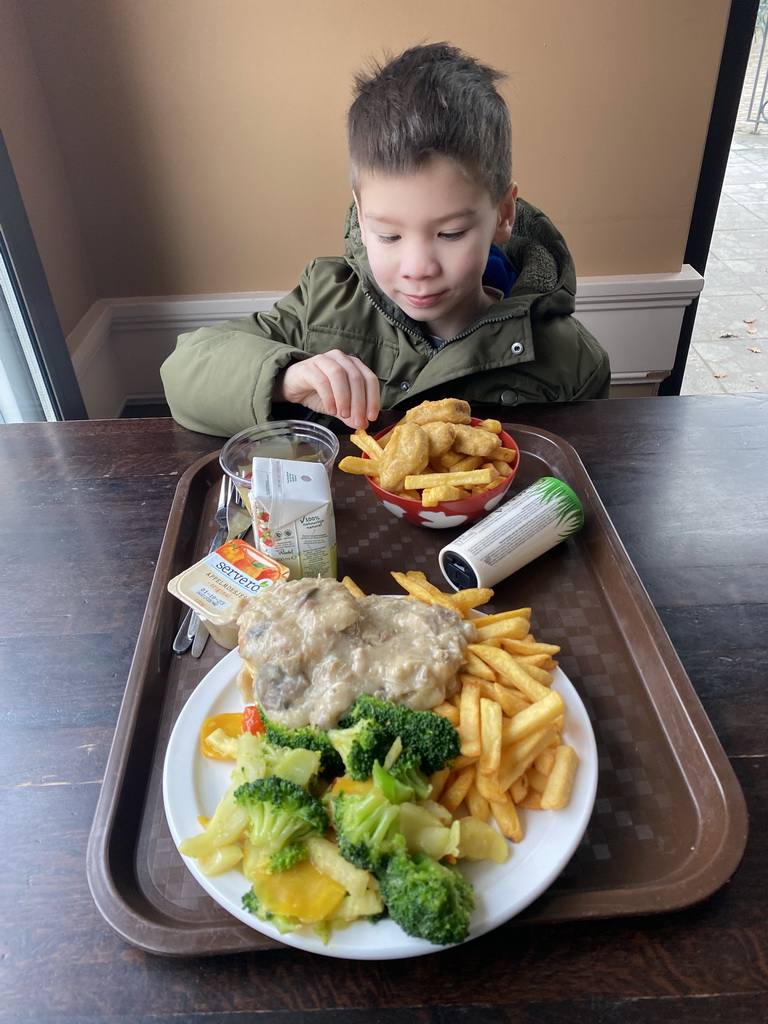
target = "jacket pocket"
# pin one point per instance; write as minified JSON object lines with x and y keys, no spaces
{"x":379,"y":354}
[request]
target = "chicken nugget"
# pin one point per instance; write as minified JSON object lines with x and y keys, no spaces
{"x":475,"y":441}
{"x":451,"y":410}
{"x":440,"y":435}
{"x":406,"y":453}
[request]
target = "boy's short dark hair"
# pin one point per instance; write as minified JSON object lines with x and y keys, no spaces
{"x":432,"y":100}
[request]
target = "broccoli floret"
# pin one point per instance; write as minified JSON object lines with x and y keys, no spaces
{"x":424,"y":735}
{"x":393,"y":789}
{"x":428,"y":899}
{"x":367,"y":828}
{"x":251,"y":902}
{"x":281,"y":814}
{"x":287,"y":857}
{"x":407,"y":771}
{"x":360,"y":745}
{"x":306,"y":738}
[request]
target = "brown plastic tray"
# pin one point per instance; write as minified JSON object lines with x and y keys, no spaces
{"x":669,"y":824}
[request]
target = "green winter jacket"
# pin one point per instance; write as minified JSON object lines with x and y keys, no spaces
{"x":525,"y":348}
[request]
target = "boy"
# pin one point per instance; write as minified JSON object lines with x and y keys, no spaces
{"x":450,"y":285}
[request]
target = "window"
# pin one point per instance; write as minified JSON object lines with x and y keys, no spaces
{"x":37,"y":380}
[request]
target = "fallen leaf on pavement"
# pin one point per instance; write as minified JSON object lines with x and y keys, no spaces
{"x":728,"y":334}
{"x":751,"y":330}
{"x":754,"y":348}
{"x":750,"y":319}
{"x":719,"y":375}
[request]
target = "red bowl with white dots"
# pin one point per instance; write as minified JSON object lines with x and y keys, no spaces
{"x":447,"y":514}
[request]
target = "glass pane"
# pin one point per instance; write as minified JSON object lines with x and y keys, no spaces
{"x":24,"y":392}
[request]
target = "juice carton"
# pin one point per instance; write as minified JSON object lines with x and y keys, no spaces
{"x":292,"y":513}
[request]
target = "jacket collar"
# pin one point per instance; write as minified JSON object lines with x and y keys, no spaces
{"x":536,"y":250}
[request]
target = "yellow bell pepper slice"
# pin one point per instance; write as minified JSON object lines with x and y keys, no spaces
{"x":301,"y":892}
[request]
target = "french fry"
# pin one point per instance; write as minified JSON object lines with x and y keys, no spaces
{"x":505,"y":454}
{"x":494,"y":426}
{"x":457,"y":788}
{"x":539,"y":674}
{"x":423,"y":590}
{"x":467,"y":464}
{"x":545,"y":762}
{"x":352,"y":587}
{"x":519,"y":789}
{"x":464,"y":760}
{"x":432,"y":496}
{"x":506,"y":818}
{"x":490,"y":736}
{"x":518,"y":757}
{"x":534,"y":718}
{"x":359,"y":466}
{"x":489,"y":787}
{"x":560,"y":783}
{"x":368,"y":444}
{"x":475,"y":476}
{"x":477,"y":805}
{"x":532,"y":801}
{"x":512,"y":702}
{"x":544,"y":661}
{"x":437,"y":781}
{"x":505,"y":665}
{"x":449,"y":711}
{"x":449,"y":459}
{"x":470,"y":598}
{"x":504,"y":628}
{"x":476,"y":667}
{"x":536,"y":779}
{"x":513,"y":613}
{"x":524,"y":646}
{"x":469,"y":719}
{"x":487,"y":688}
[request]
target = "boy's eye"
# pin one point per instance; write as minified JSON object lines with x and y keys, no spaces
{"x":452,"y":236}
{"x":388,"y":239}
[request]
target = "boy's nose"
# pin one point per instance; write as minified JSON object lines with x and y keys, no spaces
{"x":419,"y":262}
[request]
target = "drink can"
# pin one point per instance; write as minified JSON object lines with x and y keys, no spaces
{"x":522,"y":529}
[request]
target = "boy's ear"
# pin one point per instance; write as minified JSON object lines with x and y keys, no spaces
{"x":507,"y":209}
{"x":359,"y":217}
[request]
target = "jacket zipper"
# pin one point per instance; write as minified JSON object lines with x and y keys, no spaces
{"x":515,"y":314}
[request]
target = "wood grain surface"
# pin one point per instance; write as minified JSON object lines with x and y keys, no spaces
{"x":83,"y":509}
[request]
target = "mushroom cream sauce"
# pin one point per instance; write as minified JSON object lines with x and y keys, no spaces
{"x":311,"y":648}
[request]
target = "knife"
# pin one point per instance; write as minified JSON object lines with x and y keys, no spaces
{"x":191,"y":621}
{"x":238,"y":524}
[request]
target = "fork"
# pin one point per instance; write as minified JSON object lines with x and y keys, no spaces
{"x":191,"y":622}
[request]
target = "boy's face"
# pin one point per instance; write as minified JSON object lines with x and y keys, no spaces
{"x":427,"y":235}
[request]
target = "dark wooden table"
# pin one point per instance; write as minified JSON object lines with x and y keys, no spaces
{"x":83,"y":510}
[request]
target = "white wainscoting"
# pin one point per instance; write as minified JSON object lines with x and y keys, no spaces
{"x":119,"y":346}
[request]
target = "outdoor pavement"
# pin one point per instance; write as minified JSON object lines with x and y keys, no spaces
{"x":729,"y":344}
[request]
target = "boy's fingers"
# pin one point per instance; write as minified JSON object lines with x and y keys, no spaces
{"x":366,"y":401}
{"x":335,"y":383}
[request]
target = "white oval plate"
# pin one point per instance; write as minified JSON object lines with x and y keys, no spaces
{"x":194,"y":784}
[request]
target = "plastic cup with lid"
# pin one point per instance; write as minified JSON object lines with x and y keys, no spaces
{"x":297,"y":440}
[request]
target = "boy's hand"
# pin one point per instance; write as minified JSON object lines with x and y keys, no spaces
{"x":333,"y":383}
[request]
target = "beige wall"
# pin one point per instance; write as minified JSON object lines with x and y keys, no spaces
{"x":202,"y":141}
{"x":40,"y":171}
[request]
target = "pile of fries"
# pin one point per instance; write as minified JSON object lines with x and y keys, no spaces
{"x":435,"y":454}
{"x":509,"y":719}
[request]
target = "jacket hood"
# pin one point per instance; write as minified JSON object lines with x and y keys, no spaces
{"x":536,"y":249}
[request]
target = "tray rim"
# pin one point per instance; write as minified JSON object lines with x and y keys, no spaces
{"x":152,"y":930}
